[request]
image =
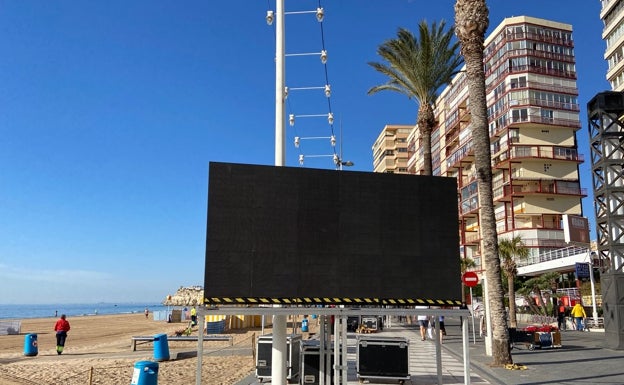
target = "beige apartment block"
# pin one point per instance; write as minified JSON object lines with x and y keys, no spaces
{"x":612,"y":15}
{"x":390,"y":149}
{"x":533,"y":112}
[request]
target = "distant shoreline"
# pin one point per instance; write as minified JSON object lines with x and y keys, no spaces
{"x":30,"y":311}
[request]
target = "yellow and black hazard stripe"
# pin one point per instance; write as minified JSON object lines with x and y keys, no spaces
{"x":330,"y":301}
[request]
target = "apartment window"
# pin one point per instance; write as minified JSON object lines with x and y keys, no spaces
{"x":547,"y":115}
{"x":499,"y":90}
{"x":564,"y":187}
{"x":517,"y":62}
{"x":565,"y":153}
{"x":523,"y":151}
{"x":520,"y":115}
{"x":518,"y":82}
{"x":514,"y":135}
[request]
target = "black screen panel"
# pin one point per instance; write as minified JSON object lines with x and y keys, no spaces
{"x":297,"y":233}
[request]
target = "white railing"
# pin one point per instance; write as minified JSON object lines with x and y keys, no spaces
{"x":553,"y":255}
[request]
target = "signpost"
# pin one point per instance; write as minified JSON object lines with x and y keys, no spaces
{"x":471,"y":279}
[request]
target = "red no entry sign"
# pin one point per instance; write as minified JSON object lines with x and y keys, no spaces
{"x":470,"y":279}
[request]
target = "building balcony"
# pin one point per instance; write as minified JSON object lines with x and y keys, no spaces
{"x":469,"y":207}
{"x":492,"y":82}
{"x":538,"y":187}
{"x":497,"y":130}
{"x":471,"y":238}
{"x":504,"y":59}
{"x":466,"y":180}
{"x":501,"y":159}
{"x":452,"y":137}
{"x":461,"y":154}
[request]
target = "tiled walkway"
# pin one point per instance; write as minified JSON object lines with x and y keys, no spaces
{"x":422,"y":362}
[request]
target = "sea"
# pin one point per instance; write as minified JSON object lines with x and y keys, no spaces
{"x":14,"y":311}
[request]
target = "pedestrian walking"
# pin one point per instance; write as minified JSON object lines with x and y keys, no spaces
{"x":423,"y":322}
{"x":579,"y":316}
{"x":61,"y":328}
{"x":561,"y":316}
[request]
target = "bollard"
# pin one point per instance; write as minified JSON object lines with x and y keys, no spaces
{"x":145,"y":373}
{"x":161,"y":347}
{"x":30,"y":345}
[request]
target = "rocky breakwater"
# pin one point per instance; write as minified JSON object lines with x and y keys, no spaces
{"x":186,"y":296}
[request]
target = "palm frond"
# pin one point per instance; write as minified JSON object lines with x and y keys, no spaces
{"x":419,"y":66}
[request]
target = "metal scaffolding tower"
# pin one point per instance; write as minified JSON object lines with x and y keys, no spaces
{"x":606,"y":138}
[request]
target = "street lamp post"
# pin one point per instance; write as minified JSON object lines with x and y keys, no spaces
{"x":279,"y":348}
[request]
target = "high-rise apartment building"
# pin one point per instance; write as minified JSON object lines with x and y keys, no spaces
{"x":533,"y":115}
{"x":390,"y":149}
{"x":612,"y":15}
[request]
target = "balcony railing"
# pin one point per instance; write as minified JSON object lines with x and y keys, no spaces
{"x":469,"y":205}
{"x":552,"y":255}
{"x":458,"y":155}
{"x":472,"y":237}
{"x":539,"y":188}
{"x":537,"y":119}
{"x":542,"y":152}
{"x":528,"y":52}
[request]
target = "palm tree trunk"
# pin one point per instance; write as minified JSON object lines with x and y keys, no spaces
{"x":425,"y":123}
{"x":471,"y":22}
{"x":512,"y":301}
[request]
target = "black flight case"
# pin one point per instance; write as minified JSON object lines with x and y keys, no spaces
{"x":383,"y":358}
{"x":264,"y":355}
{"x":311,"y":362}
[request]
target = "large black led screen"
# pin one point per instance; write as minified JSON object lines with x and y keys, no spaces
{"x":291,"y":233}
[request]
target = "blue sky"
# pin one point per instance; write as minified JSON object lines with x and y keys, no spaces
{"x":111,"y":111}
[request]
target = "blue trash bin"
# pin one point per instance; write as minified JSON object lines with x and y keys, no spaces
{"x":30,"y":345}
{"x":161,"y":347}
{"x":145,"y":373}
{"x":304,"y":325}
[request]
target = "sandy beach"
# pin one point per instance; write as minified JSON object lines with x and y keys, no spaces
{"x":98,"y":351}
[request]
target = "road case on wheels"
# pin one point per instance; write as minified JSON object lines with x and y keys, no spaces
{"x":311,"y":362}
{"x":383,"y":358}
{"x":264,"y":353}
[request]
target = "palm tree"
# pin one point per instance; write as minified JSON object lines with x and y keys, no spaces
{"x":417,"y":68}
{"x":534,"y":287}
{"x":471,"y":22}
{"x":509,"y":251}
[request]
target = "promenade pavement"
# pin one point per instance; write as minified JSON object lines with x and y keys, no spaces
{"x":582,"y":359}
